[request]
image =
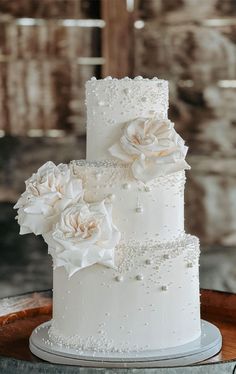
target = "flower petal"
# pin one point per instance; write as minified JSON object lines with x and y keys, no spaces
{"x":117,"y":151}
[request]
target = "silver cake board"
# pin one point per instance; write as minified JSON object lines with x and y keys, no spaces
{"x":206,"y":346}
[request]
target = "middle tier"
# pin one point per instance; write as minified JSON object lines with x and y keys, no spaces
{"x":144,"y":212}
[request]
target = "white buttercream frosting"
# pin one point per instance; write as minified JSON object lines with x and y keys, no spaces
{"x":153,"y":148}
{"x":48,"y":192}
{"x":85,"y":235}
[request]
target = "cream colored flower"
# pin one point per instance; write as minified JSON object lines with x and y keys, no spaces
{"x":85,"y":235}
{"x":48,"y":192}
{"x":153,"y":148}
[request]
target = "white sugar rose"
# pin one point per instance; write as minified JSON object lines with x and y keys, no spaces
{"x":48,"y":192}
{"x":85,"y":235}
{"x":153,"y":147}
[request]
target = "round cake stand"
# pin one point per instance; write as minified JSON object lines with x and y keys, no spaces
{"x":20,"y":315}
{"x":206,"y":346}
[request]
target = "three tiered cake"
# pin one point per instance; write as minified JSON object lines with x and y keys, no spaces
{"x":125,"y":272}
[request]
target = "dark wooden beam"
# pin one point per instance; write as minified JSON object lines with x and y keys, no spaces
{"x":117,"y":38}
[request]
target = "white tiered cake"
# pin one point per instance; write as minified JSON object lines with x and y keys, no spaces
{"x":125,"y":272}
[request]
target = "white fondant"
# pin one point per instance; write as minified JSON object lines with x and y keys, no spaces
{"x":151,"y":299}
{"x":160,"y":214}
{"x":122,"y":101}
{"x":91,"y":311}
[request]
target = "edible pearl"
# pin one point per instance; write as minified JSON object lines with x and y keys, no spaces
{"x":164,"y":288}
{"x":148,"y":261}
{"x":126,"y":186}
{"x":119,"y":278}
{"x":147,"y":188}
{"x":166,"y":256}
{"x":139,"y":277}
{"x":127,"y":91}
{"x":108,"y":78}
{"x":111,"y":197}
{"x":98,"y":175}
{"x":142,"y":156}
{"x":138,"y":78}
{"x":139,"y":209}
{"x":93,"y":79}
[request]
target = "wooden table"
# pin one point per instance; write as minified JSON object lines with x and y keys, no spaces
{"x":21,"y":314}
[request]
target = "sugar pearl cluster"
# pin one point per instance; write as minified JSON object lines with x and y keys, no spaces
{"x":107,"y":174}
{"x":135,"y":255}
{"x":147,"y":96}
{"x":137,"y":78}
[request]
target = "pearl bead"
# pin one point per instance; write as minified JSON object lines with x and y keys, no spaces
{"x":127,"y":91}
{"x":148,"y":188}
{"x":93,"y":79}
{"x":98,"y":175}
{"x":139,"y":209}
{"x":164,"y":288}
{"x":138,"y":78}
{"x":108,"y":78}
{"x":126,"y":186}
{"x":139,"y":277}
{"x":119,"y":278}
{"x":166,"y":256}
{"x":111,"y":197}
{"x":148,"y":261}
{"x":142,"y":156}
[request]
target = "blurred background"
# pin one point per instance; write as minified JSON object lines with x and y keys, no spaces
{"x":49,"y":48}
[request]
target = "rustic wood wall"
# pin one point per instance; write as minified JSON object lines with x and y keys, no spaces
{"x":190,"y":42}
{"x":42,"y":66}
{"x":193,"y":44}
{"x":118,"y":38}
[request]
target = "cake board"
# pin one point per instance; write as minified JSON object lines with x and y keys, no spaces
{"x":206,"y":346}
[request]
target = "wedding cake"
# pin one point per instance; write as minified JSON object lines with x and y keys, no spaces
{"x":125,"y":273}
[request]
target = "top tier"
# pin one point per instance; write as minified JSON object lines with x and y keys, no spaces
{"x":113,"y":102}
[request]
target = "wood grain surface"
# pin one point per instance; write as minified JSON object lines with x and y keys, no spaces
{"x":20,"y":315}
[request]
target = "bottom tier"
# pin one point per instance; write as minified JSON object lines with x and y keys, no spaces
{"x":151,"y":301}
